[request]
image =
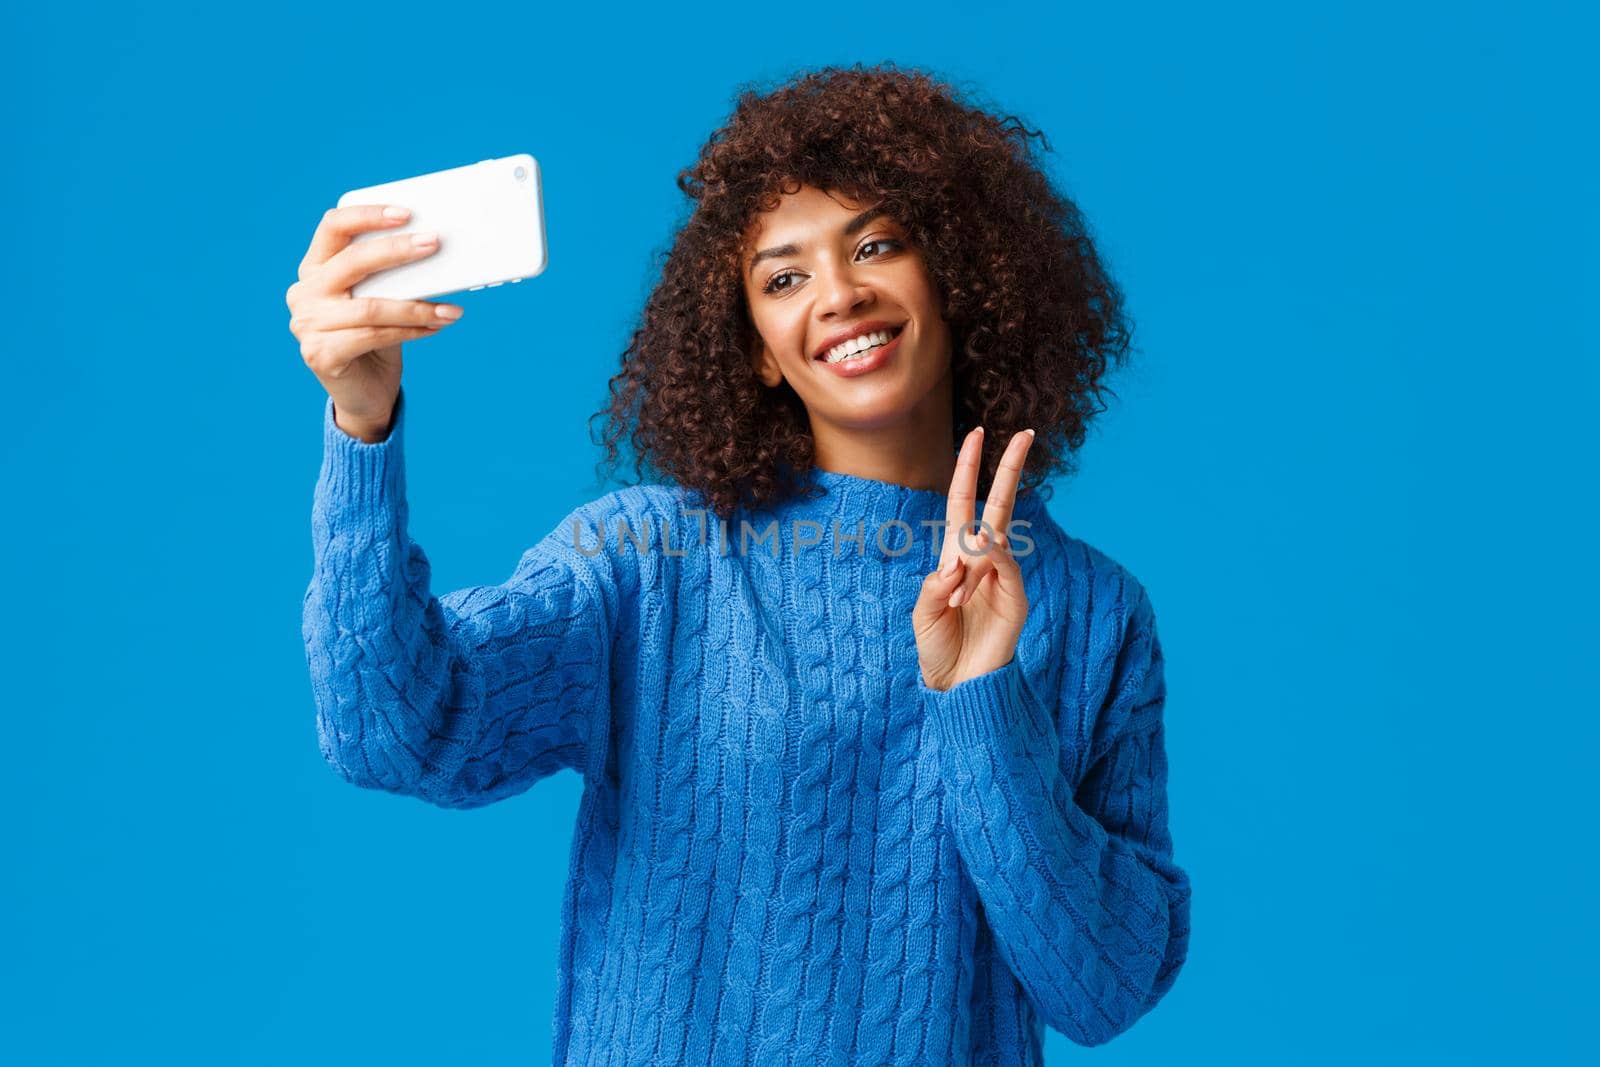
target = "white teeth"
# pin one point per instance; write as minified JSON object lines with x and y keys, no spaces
{"x":856,"y":345}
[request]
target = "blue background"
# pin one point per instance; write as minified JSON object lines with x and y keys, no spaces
{"x":1352,"y":461}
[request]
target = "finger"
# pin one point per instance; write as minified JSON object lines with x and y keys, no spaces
{"x":1007,"y":576}
{"x":340,"y":224}
{"x":939,"y":584}
{"x":977,"y":570}
{"x":963,"y":496}
{"x":998,"y":505}
{"x":330,"y":352}
{"x":1006,"y":567}
{"x":338,"y":314}
{"x":975,"y":577}
{"x":936,"y":588}
{"x":357,"y":260}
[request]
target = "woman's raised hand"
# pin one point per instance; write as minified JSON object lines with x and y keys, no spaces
{"x":352,"y":344}
{"x":972,"y":607}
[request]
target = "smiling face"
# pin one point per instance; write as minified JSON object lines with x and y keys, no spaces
{"x":825,"y":266}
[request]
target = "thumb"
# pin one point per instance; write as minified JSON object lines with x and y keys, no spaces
{"x":937,"y":587}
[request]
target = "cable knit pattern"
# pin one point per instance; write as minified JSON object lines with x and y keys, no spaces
{"x":788,"y":849}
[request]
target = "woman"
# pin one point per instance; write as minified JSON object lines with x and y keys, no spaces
{"x":856,"y":786}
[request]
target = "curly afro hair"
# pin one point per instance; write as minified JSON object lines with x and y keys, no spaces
{"x":1034,"y":318}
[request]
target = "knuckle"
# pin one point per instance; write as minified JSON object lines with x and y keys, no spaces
{"x":368,"y":308}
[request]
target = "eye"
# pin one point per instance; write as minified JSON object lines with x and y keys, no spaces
{"x":772,"y":283}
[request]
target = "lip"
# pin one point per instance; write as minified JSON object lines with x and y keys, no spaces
{"x":852,"y":368}
{"x":870,"y":326}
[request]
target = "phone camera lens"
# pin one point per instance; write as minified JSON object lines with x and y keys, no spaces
{"x":521,"y":173}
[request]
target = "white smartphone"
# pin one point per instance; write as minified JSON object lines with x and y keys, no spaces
{"x":490,"y":220}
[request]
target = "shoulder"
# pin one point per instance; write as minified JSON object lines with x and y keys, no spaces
{"x":614,"y":538}
{"x":1093,"y":639}
{"x":1103,"y":592}
{"x":633,"y":507}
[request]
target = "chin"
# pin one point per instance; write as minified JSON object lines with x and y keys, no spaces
{"x":874,"y":410}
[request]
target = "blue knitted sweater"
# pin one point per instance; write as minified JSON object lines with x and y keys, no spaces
{"x":788,"y":849}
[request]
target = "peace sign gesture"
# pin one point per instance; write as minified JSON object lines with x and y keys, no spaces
{"x":972,"y":607}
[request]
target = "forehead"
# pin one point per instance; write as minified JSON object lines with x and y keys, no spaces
{"x":803,"y":210}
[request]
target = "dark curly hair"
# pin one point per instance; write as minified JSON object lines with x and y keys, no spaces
{"x":1033,"y":316}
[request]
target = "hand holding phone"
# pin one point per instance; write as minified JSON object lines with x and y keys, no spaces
{"x":352,"y":344}
{"x":361,"y":284}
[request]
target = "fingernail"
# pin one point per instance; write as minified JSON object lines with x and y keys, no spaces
{"x":422,"y":240}
{"x":444,"y":311}
{"x":396,"y":213}
{"x":955,"y":598}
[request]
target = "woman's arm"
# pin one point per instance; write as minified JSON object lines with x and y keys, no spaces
{"x":463,"y":699}
{"x":1086,"y":904}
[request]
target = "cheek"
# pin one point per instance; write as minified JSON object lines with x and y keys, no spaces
{"x":786,"y":333}
{"x":766,"y":326}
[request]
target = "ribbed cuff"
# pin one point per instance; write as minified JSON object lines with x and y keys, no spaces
{"x":980,"y":710}
{"x":367,"y":480}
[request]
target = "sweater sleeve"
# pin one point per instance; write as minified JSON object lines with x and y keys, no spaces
{"x":1081,"y":892}
{"x":463,"y":699}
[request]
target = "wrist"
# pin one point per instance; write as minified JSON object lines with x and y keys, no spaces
{"x":367,"y":431}
{"x":967,"y":672}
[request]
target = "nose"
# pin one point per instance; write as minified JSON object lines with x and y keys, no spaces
{"x":840,"y":292}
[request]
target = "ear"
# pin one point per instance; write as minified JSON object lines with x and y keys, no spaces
{"x":764,"y":362}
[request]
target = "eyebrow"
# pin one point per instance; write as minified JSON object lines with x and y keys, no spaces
{"x":851,"y":228}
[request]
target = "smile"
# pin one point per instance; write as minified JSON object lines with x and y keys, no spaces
{"x":856,"y":346}
{"x":876,"y":350}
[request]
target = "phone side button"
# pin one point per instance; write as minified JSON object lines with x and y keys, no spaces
{"x":496,"y":285}
{"x":514,"y":281}
{"x":474,"y":288}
